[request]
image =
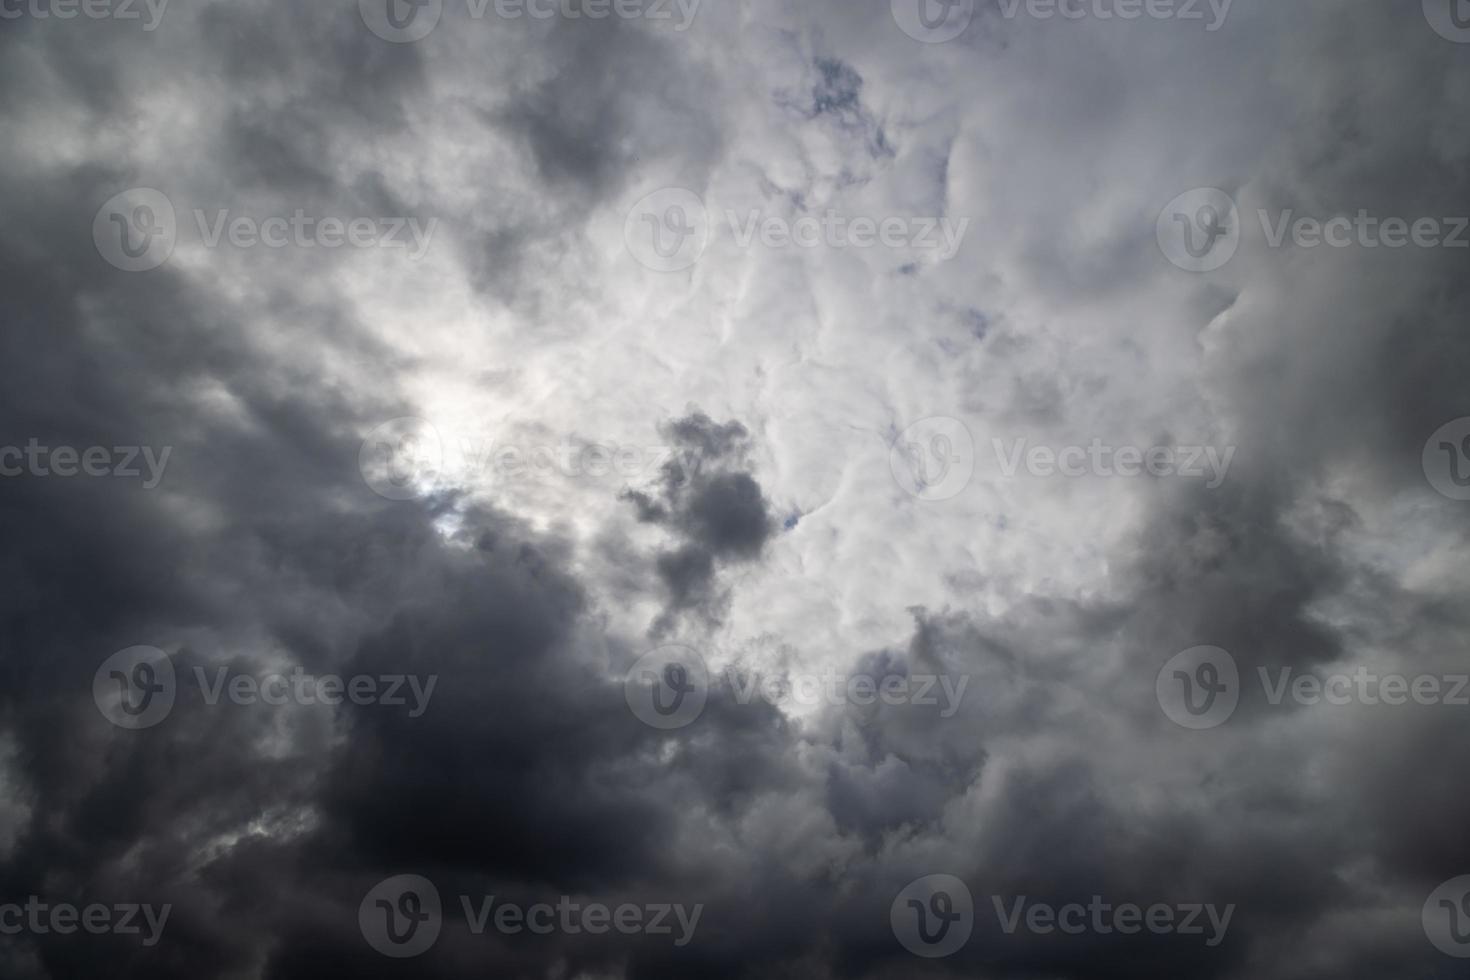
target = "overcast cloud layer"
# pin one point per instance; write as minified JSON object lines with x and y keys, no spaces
{"x":776,"y":454}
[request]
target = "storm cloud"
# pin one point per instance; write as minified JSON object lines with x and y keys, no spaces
{"x":528,"y":490}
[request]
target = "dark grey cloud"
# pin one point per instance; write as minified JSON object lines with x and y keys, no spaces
{"x":715,"y":510}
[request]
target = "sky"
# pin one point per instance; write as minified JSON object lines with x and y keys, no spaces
{"x":638,"y":489}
